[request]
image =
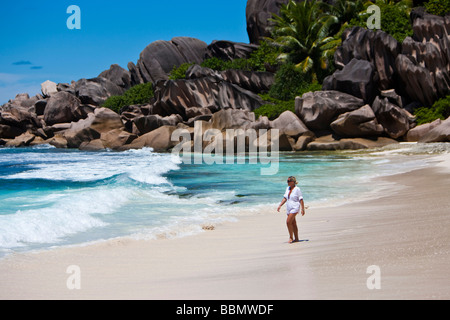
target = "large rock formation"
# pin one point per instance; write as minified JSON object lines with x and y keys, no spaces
{"x":258,"y":13}
{"x":328,"y":142}
{"x":24,"y":140}
{"x":48,"y":88}
{"x":418,"y":132}
{"x":102,"y":120}
{"x":158,"y":58}
{"x":160,"y":140}
{"x":146,"y":124}
{"x":318,"y":109}
{"x":229,"y":50}
{"x":424,"y":63}
{"x":376,"y":47}
{"x":356,"y":78}
{"x":22,"y":100}
{"x":440,"y":133}
{"x":117,"y":138}
{"x":18,"y":119}
{"x":95,"y":91}
{"x":395,"y":120}
{"x":9,"y":132}
{"x":63,"y":107}
{"x":414,"y":73}
{"x":254,"y":81}
{"x":358,"y":123}
{"x":232,"y":119}
{"x":118,"y":75}
{"x":178,"y":96}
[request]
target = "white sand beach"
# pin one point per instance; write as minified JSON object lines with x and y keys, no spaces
{"x":403,"y":230}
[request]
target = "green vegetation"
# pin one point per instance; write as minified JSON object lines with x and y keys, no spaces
{"x":395,"y":21}
{"x":221,"y":65}
{"x":265,"y":57}
{"x":304,"y":35}
{"x":262,"y":59}
{"x":394,"y":18}
{"x":438,"y":7}
{"x":216,"y":64}
{"x":180,"y":71}
{"x":304,"y":32}
{"x":289,"y":83}
{"x":274,"y":107}
{"x":139,"y":94}
{"x":439,"y":110}
{"x":345,"y":12}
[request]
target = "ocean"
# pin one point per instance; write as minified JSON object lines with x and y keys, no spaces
{"x":53,"y":197}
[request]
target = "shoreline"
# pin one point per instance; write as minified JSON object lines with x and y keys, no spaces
{"x":175,"y":233}
{"x":250,"y":258}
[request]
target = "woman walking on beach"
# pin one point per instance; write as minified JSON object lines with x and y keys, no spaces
{"x":294,"y":200}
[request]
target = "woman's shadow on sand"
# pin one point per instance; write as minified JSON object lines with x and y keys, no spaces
{"x":299,"y":241}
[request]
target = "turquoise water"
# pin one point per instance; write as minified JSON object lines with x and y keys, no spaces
{"x":54,"y":197}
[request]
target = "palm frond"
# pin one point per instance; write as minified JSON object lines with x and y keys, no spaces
{"x":306,"y":65}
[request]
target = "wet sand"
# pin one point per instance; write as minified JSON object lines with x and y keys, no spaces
{"x":404,"y":231}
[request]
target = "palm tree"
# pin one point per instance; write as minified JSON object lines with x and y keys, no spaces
{"x":303,"y":31}
{"x":346,"y":10}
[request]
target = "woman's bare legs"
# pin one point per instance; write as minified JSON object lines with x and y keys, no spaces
{"x":296,"y":239}
{"x":292,"y":227}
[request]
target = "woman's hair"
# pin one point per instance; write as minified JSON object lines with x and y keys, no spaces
{"x":293,"y":179}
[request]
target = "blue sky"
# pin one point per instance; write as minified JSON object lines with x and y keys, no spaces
{"x":37,"y":45}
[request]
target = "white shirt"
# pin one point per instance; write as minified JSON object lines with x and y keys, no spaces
{"x":293,"y":200}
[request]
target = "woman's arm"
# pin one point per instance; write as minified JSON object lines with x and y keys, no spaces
{"x":281,"y":204}
{"x":302,"y":203}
